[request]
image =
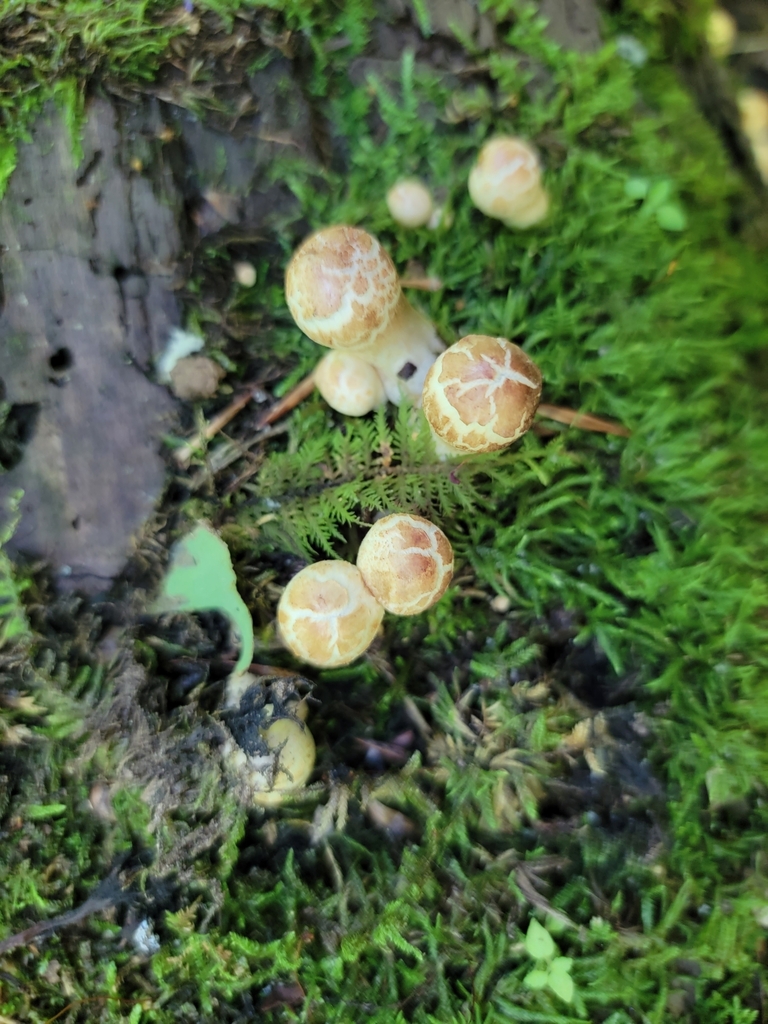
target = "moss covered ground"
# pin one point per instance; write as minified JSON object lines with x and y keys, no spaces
{"x":587,"y":754}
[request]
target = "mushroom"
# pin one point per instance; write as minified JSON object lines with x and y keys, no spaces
{"x":343,"y":291}
{"x":268,"y":749}
{"x":410,"y":203}
{"x":327,"y":616}
{"x":349,"y":384}
{"x":721,"y":31}
{"x":505,"y":183}
{"x":481,"y":394}
{"x":406,"y":562}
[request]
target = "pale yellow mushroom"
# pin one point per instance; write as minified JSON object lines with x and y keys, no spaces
{"x":481,"y":394}
{"x":343,"y":291}
{"x":327,"y":616}
{"x":269,"y":750}
{"x":753,"y":107}
{"x":505,"y":183}
{"x":410,"y":203}
{"x":406,"y":562}
{"x":721,"y":32}
{"x":349,"y":384}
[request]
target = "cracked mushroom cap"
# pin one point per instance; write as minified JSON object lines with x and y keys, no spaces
{"x":349,"y":384}
{"x":481,"y":394}
{"x":505,"y":183}
{"x":406,"y":562}
{"x":327,"y":616}
{"x":341,"y":287}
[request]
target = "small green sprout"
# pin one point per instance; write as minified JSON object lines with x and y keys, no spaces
{"x":553,"y":972}
{"x":658,"y":202}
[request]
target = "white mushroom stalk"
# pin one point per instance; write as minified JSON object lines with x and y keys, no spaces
{"x":505,"y":183}
{"x":481,"y":395}
{"x":343,"y":291}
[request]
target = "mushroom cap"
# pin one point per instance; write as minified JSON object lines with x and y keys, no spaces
{"x":481,"y":394}
{"x":505,"y":182}
{"x":292,"y":748}
{"x":410,"y":203}
{"x":327,"y":616}
{"x":406,"y":562}
{"x":342,"y":287}
{"x":349,"y":384}
{"x":753,"y":108}
{"x":721,"y":31}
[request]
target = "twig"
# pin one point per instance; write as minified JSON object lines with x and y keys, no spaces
{"x":296,"y":395}
{"x":107,"y":894}
{"x":285,"y":404}
{"x":184,"y":454}
{"x":582,"y":420}
{"x":423,"y":284}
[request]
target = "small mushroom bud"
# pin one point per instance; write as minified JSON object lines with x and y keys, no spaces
{"x":327,"y":616}
{"x":481,"y":394}
{"x":721,"y":32}
{"x":245,"y":274}
{"x":349,"y":384}
{"x":505,"y":183}
{"x":269,"y":749}
{"x":406,"y":562}
{"x":410,"y":203}
{"x":343,"y":291}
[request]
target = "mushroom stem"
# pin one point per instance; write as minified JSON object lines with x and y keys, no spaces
{"x":404,"y":352}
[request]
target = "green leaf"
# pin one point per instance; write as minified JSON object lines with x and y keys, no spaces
{"x":39,"y":812}
{"x":536,"y":979}
{"x":636,"y":188}
{"x":7,"y":163}
{"x":561,"y":982}
{"x":671,"y":217}
{"x":201,"y":578}
{"x":538,"y":942}
{"x":658,"y":194}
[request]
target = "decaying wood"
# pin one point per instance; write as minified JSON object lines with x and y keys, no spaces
{"x":88,"y":268}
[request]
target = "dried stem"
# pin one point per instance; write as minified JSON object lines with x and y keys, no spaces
{"x":582,"y":420}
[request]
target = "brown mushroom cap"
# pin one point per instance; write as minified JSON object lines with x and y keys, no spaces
{"x":505,"y":182}
{"x":327,"y":616}
{"x":406,"y":562}
{"x":481,"y":394}
{"x":342,"y":287}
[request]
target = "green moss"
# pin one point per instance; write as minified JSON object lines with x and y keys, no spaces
{"x":650,"y":549}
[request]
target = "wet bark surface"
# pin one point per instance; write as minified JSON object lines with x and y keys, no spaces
{"x":91,"y":250}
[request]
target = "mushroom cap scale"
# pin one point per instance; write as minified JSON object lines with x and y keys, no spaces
{"x":342,"y":287}
{"x":327,"y":616}
{"x":505,"y":182}
{"x":406,"y":562}
{"x":481,"y":394}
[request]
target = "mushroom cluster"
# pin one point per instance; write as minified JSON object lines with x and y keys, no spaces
{"x":478,"y":395}
{"x":344,"y":292}
{"x":330,"y":612}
